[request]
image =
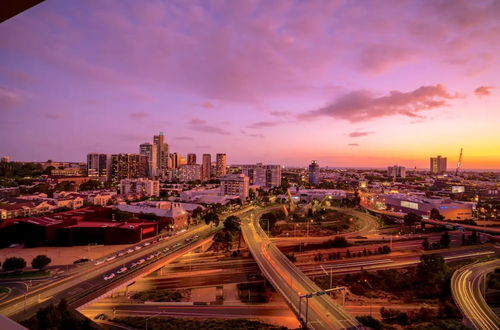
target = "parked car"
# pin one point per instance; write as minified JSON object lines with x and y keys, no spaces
{"x":121,"y":270}
{"x":81,"y":261}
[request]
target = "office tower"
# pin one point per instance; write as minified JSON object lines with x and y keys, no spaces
{"x":162,"y":153}
{"x":262,"y":175}
{"x":174,"y":159}
{"x":128,"y":166}
{"x":314,"y":172}
{"x":206,"y":167}
{"x":148,"y":150}
{"x":235,"y":184}
{"x":191,"y":159}
{"x":98,"y":165}
{"x":221,"y":160}
{"x":438,"y":165}
{"x":396,"y":171}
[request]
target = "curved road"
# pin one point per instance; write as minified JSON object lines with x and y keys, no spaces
{"x":467,"y":286}
{"x":290,"y":282}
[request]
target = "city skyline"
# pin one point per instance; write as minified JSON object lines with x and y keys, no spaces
{"x":285,"y":82}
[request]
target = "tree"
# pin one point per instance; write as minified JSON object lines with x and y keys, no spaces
{"x":411,"y":218}
{"x":232,"y":223}
{"x":251,"y":194}
{"x":211,"y":217}
{"x":339,"y":241}
{"x":432,"y":273}
{"x":425,"y":244}
{"x":40,"y":261}
{"x":14,"y":263}
{"x":435,"y":215}
{"x":445,"y":239}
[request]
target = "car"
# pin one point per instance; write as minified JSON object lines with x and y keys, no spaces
{"x":138,"y":247}
{"x":151,"y":256}
{"x":146,"y":244}
{"x":121,"y":270}
{"x":134,"y":264}
{"x":81,"y":261}
{"x":141,"y":261}
{"x":154,"y":242}
{"x":130,"y":251}
{"x":121,"y":254}
{"x":110,"y":276}
{"x":98,"y":262}
{"x":110,"y":258}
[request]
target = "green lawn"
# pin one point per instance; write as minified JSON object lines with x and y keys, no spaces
{"x":4,"y":289}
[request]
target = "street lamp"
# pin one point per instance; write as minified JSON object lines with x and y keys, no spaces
{"x":146,"y":327}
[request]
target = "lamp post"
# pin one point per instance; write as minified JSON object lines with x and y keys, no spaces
{"x":146,"y":326}
{"x":331,"y":274}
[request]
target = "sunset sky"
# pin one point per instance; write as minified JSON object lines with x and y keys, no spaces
{"x":349,"y":83}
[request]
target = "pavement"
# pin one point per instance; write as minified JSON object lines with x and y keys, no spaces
{"x":321,"y":312}
{"x":468,"y":285}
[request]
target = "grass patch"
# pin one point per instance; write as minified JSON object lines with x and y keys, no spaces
{"x":4,"y":289}
{"x":179,"y":323}
{"x":159,"y":295}
{"x":29,"y":274}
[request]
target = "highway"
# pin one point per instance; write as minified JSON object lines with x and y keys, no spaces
{"x":467,"y":285}
{"x":290,"y":282}
{"x":92,"y":278}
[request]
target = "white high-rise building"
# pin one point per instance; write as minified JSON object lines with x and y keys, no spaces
{"x":396,"y":171}
{"x":235,"y":184}
{"x":262,"y":175}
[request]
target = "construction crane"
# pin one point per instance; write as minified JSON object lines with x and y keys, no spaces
{"x":459,"y":162}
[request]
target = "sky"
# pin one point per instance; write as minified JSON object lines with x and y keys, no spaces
{"x":347,"y":83}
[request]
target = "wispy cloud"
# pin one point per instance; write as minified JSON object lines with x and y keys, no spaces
{"x":139,"y":115}
{"x":202,"y":126}
{"x":206,"y":105}
{"x":353,"y":145}
{"x":264,"y":124}
{"x":183,"y":138}
{"x":8,"y":98}
{"x":358,"y":134}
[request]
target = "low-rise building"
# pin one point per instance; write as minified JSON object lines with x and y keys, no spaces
{"x":144,"y":187}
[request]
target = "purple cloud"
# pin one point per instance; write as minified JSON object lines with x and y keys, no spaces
{"x":139,"y":115}
{"x":363,"y":105}
{"x":206,"y":105}
{"x":264,"y":124}
{"x":183,"y":138}
{"x":8,"y":98}
{"x":202,"y":126}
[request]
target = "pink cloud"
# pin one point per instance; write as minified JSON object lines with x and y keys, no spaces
{"x":202,"y":126}
{"x":364,"y":105}
{"x":359,"y":134}
{"x":483,"y":90}
{"x":139,"y":115}
{"x":8,"y":98}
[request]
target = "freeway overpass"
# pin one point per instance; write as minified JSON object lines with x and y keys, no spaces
{"x":322,"y":312}
{"x":467,"y":286}
{"x":89,"y":284}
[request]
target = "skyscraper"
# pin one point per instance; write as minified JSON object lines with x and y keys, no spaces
{"x":149,"y":151}
{"x":438,"y":165}
{"x":98,"y":165}
{"x":314,"y":172}
{"x":162,"y":152}
{"x":206,"y":167}
{"x":221,"y":161}
{"x":191,"y":159}
{"x":175,"y":160}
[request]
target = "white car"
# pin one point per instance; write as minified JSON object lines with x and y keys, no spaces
{"x":99,"y":262}
{"x":121,"y":270}
{"x":110,"y":258}
{"x":138,"y":247}
{"x":110,"y":276}
{"x":146,"y":244}
{"x":121,"y":254}
{"x":141,"y":261}
{"x":130,"y":251}
{"x":151,"y":256}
